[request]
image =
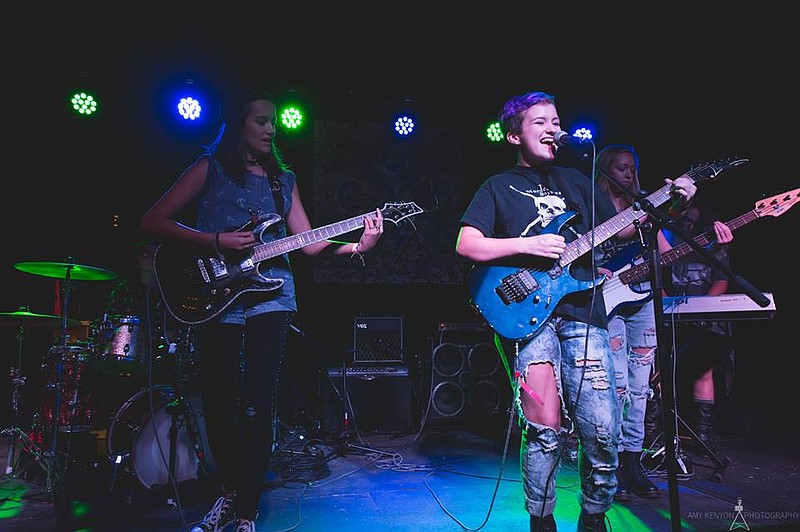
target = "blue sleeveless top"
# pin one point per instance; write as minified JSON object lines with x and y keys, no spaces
{"x":223,"y":205}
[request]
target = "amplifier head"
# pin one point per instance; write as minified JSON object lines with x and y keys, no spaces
{"x":378,"y":339}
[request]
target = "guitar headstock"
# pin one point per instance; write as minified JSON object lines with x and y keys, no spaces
{"x":396,"y":212}
{"x":777,"y":204}
{"x":712,"y":170}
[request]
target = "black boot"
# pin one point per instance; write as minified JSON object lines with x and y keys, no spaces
{"x":638,"y":482}
{"x":591,"y":522}
{"x":703,"y":426}
{"x":624,"y":492}
{"x":543,"y":524}
{"x":652,"y":423}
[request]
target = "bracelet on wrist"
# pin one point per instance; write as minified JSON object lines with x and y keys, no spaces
{"x":356,"y":253}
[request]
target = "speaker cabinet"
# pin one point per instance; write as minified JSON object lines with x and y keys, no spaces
{"x":379,"y":396}
{"x":378,"y":339}
{"x":469,"y":380}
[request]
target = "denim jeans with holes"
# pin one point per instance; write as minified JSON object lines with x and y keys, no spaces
{"x":632,"y":331}
{"x":584,"y":372}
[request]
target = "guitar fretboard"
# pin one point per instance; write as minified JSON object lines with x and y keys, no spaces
{"x":269,"y":250}
{"x":611,"y":227}
{"x":641,"y":271}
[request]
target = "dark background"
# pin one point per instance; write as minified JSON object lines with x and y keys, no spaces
{"x":76,"y":188}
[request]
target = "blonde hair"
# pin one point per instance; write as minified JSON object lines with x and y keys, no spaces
{"x":603,"y":165}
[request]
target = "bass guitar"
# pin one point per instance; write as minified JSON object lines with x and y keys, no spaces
{"x":197,"y":286}
{"x":618,"y":292}
{"x":517,"y":302}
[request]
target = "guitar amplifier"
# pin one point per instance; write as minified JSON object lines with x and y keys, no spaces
{"x":378,"y":339}
{"x":379,"y":397}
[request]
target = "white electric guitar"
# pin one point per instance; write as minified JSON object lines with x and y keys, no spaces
{"x":618,"y":292}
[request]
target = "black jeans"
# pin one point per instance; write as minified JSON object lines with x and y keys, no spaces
{"x":239,"y":369}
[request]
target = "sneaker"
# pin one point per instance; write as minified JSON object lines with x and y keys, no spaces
{"x":221,"y":515}
{"x":246,"y":525}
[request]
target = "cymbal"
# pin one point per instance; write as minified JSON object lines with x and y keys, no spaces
{"x":23,"y":318}
{"x":77,"y":272}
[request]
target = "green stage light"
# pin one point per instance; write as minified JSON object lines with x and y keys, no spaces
{"x":292,"y":118}
{"x":494,"y":132}
{"x":84,"y":103}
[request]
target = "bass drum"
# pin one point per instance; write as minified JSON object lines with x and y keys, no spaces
{"x":139,"y":433}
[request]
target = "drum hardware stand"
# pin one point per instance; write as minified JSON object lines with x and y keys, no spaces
{"x":52,"y":453}
{"x":28,"y":446}
{"x":722,"y":463}
{"x":178,"y":409}
{"x":68,"y":271}
{"x":17,"y":382}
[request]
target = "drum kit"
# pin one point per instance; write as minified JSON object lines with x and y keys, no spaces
{"x":156,"y":433}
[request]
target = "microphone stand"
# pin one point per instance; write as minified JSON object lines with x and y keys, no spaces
{"x":313,"y":345}
{"x":666,"y":360}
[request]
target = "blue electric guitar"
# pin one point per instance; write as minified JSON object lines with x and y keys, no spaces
{"x":517,"y":302}
{"x":196,"y":286}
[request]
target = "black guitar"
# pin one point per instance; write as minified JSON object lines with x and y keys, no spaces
{"x":196,"y":286}
{"x":517,"y":302}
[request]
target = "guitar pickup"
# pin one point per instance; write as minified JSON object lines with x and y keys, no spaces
{"x":516,"y":287}
{"x":218,"y":268}
{"x":201,"y":268}
{"x":247,"y":265}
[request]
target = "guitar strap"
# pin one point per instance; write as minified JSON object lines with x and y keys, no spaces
{"x":277,"y":196}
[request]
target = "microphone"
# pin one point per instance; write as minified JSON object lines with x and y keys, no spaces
{"x":562,"y":138}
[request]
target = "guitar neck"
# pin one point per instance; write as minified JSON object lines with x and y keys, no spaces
{"x":611,"y":227}
{"x":640,"y":271}
{"x":268,"y":250}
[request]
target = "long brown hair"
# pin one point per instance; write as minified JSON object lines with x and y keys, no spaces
{"x":228,"y":148}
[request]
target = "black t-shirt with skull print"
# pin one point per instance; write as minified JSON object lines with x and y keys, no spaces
{"x":522,"y":201}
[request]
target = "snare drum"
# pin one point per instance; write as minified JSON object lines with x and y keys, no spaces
{"x":75,"y":411}
{"x":143,"y":438}
{"x":121,"y":349}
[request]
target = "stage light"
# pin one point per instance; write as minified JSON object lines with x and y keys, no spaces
{"x":404,"y":125}
{"x":494,"y":132}
{"x":190,"y":100}
{"x":84,"y":103}
{"x":292,"y":118}
{"x":583,"y":134}
{"x":189,"y":108}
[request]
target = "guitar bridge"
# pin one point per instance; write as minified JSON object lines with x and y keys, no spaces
{"x":516,"y":287}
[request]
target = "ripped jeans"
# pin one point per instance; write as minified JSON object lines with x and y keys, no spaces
{"x":590,"y":386}
{"x":632,"y":331}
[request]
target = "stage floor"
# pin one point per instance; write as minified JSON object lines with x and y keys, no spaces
{"x":442,"y":477}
